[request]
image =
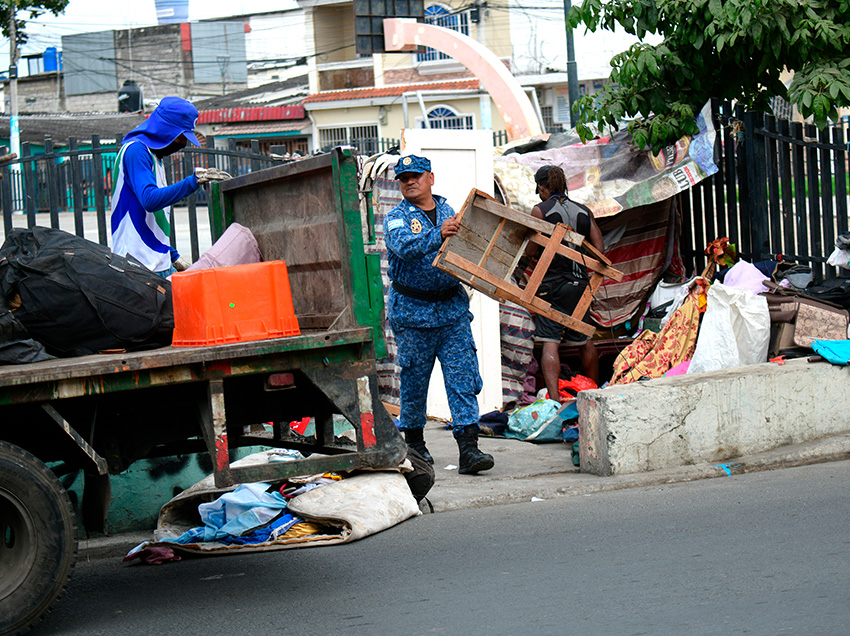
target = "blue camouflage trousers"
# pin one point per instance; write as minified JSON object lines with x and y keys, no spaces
{"x":454,"y":347}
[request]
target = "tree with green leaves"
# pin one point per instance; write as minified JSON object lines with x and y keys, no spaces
{"x":727,"y":49}
{"x":27,"y":10}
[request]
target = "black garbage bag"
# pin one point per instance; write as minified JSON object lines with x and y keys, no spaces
{"x":834,"y":290}
{"x":16,"y":346}
{"x":76,"y":297}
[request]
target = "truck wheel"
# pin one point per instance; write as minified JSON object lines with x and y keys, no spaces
{"x":38,"y":543}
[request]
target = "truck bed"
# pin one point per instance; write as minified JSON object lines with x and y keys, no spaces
{"x":161,"y":365}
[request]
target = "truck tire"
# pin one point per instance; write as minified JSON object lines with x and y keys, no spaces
{"x":38,"y":542}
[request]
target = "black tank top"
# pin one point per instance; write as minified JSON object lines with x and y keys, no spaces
{"x":576,"y":216}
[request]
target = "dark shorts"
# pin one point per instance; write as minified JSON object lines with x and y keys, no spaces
{"x":564,"y":298}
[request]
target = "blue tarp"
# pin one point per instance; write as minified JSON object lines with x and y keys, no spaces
{"x":835,"y":351}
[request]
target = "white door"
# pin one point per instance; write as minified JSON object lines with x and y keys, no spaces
{"x":462,"y":160}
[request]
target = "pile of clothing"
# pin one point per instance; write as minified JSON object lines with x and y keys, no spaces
{"x":325,"y":509}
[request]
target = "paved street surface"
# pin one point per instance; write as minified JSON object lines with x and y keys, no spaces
{"x":764,"y":553}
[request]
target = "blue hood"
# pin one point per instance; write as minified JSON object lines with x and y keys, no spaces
{"x":173,"y":117}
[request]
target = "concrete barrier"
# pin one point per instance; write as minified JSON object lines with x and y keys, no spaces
{"x":708,"y":417}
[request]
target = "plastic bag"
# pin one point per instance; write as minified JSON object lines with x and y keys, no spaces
{"x":537,"y":422}
{"x":744,"y":275}
{"x":735,"y":330}
{"x":568,"y":389}
{"x":839,"y":258}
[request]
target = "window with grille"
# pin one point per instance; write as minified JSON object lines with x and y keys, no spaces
{"x":549,"y":124}
{"x":439,"y":15}
{"x":442,"y":117}
{"x":364,"y":138}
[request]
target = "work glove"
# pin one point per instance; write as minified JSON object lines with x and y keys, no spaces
{"x":182,"y":264}
{"x":210,"y":174}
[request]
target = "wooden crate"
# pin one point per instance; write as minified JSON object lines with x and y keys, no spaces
{"x":490,"y":242}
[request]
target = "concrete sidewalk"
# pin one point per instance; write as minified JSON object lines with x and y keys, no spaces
{"x":524,"y":471}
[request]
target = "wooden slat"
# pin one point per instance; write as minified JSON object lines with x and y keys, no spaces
{"x":591,"y":263}
{"x":533,"y":223}
{"x":509,"y":292}
{"x":543,"y":263}
{"x":517,"y":257}
{"x":718,"y":179}
{"x":487,"y":227}
{"x":492,"y":242}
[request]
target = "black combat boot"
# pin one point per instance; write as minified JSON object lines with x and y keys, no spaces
{"x":415,"y":438}
{"x":472,"y":460}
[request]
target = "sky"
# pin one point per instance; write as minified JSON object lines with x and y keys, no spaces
{"x":537,"y":30}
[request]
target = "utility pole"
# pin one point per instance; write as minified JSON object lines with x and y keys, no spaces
{"x":572,"y":71}
{"x":223,"y":62}
{"x":14,"y":126}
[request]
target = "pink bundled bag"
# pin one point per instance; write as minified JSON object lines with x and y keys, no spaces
{"x":237,"y":246}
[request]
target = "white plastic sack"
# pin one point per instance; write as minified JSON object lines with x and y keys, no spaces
{"x":735,"y":330}
{"x":839,"y":258}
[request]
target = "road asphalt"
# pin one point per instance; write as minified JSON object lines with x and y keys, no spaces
{"x":527,"y":472}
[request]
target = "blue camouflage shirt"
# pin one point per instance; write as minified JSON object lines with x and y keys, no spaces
{"x":412,"y":245}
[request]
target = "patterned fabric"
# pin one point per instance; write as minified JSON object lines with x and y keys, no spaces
{"x":652,"y":355}
{"x":817,"y":323}
{"x":646,"y":248}
{"x":516,"y":328}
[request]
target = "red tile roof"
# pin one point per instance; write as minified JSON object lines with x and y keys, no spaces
{"x":260,"y":127}
{"x":392,"y":90}
{"x":257,"y":113}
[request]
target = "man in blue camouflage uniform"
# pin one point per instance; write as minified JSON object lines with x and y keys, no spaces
{"x":429,"y":314}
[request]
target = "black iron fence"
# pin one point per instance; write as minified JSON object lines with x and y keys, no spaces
{"x":781,"y":192}
{"x":36,"y":189}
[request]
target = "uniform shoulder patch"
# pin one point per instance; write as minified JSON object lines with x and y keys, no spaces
{"x":395,"y":223}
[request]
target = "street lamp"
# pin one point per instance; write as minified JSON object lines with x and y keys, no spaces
{"x":572,"y":71}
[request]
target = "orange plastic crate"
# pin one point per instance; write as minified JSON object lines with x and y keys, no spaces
{"x":232,"y":304}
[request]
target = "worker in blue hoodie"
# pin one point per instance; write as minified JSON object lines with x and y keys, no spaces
{"x":141,"y":196}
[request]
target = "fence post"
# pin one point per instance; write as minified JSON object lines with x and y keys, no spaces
{"x":6,"y":194}
{"x":756,"y":208}
{"x":51,"y":185}
{"x":255,"y":150}
{"x":99,"y":187}
{"x":232,"y":164}
{"x":29,"y":183}
{"x":76,"y":187}
{"x":192,"y":210}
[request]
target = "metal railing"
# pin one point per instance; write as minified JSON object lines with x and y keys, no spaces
{"x":46,"y":188}
{"x":783,"y":191}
